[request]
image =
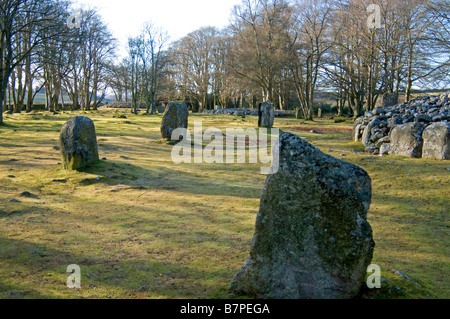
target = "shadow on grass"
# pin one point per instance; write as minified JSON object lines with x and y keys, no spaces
{"x":48,"y":266}
{"x":163,"y":178}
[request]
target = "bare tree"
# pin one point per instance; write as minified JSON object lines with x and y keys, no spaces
{"x":309,"y":41}
{"x":19,"y":18}
{"x":260,"y":28}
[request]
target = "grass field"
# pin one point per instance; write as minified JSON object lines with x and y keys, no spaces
{"x":140,"y":226}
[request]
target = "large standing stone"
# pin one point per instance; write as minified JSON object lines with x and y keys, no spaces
{"x":312,"y":239}
{"x":436,"y":141}
{"x":406,"y":140}
{"x":267,"y":114}
{"x":78,"y":143}
{"x":175,"y":116}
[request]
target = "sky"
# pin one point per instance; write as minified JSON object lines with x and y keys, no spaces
{"x":178,"y":17}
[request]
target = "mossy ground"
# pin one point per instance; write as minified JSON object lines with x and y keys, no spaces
{"x":140,"y":226}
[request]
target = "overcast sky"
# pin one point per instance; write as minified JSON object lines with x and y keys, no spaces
{"x":178,"y":17}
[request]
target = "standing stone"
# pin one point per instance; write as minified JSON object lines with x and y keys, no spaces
{"x":357,"y":128}
{"x":312,"y":239}
{"x":436,"y":141}
{"x":390,"y":99}
{"x":78,"y":143}
{"x":175,"y":116}
{"x":406,"y":140}
{"x":267,"y":114}
{"x":319,"y":112}
{"x":161,"y":108}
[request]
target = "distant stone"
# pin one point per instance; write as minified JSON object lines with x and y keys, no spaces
{"x":267,"y":114}
{"x":312,"y":239}
{"x":60,"y":180}
{"x":78,"y":143}
{"x":436,"y":141}
{"x":26,"y":194}
{"x":390,"y":99}
{"x":316,"y":132}
{"x":175,"y":116}
{"x":14,"y":201}
{"x":56,"y":148}
{"x":406,"y":140}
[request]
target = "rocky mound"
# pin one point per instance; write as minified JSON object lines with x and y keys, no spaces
{"x":238,"y":112}
{"x":121,"y":105}
{"x":401,"y":129}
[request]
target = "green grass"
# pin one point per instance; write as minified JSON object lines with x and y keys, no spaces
{"x":151,"y":229}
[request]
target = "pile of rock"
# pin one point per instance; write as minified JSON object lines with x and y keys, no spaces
{"x":238,"y":112}
{"x":419,"y":128}
{"x":121,"y":105}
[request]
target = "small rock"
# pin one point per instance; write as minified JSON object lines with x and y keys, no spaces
{"x":316,"y":132}
{"x":26,"y":194}
{"x":37,"y":252}
{"x":385,"y":149}
{"x":14,"y":201}
{"x":399,"y":273}
{"x":11,"y":176}
{"x":56,"y":148}
{"x":58,"y":180}
{"x":13,"y":293}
